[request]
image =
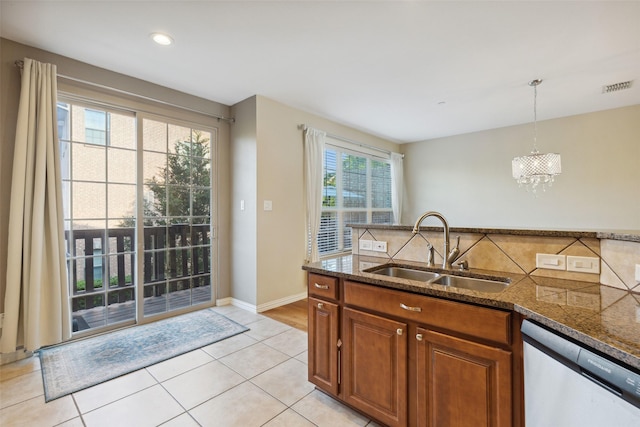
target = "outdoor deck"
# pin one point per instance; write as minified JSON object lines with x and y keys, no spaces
{"x":97,"y":317}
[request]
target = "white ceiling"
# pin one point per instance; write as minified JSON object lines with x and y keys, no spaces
{"x":403,"y":70}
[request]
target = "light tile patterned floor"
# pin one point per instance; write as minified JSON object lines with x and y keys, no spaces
{"x":258,"y":378}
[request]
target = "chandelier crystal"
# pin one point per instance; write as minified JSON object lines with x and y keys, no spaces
{"x":535,"y":169}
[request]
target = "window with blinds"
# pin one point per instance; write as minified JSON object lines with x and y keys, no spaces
{"x":356,"y":189}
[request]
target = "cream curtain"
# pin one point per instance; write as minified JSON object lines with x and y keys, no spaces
{"x":36,"y":301}
{"x":397,"y":186}
{"x":313,"y":157}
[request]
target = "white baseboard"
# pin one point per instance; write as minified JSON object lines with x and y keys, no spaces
{"x":224,"y":301}
{"x":262,"y":307}
{"x":282,"y":301}
{"x":243,"y":305}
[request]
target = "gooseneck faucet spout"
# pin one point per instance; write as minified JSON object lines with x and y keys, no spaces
{"x":446,"y":263}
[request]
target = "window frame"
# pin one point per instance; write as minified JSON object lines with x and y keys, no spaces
{"x":344,"y":244}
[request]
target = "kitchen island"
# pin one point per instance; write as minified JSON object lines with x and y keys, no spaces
{"x":475,"y":331}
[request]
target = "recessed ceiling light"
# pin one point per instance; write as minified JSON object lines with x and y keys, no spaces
{"x":163,"y":39}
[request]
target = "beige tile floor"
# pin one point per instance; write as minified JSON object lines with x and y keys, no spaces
{"x":258,"y":378}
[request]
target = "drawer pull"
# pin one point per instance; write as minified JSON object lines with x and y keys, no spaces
{"x":408,"y":308}
{"x":399,"y":331}
{"x":419,"y":337}
{"x":319,"y":286}
{"x":320,"y":306}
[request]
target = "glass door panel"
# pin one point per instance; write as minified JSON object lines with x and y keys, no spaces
{"x":177,"y":216}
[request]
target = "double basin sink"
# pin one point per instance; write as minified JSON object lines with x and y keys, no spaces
{"x":438,"y":278}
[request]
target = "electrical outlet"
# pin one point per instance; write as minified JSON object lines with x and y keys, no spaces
{"x":379,"y":246}
{"x":551,"y":261}
{"x":366,"y":245}
{"x":583,"y":264}
{"x":366,"y":265}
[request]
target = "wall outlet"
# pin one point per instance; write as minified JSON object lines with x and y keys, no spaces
{"x":366,"y":265}
{"x":366,"y":245}
{"x":551,"y":261}
{"x":379,"y":246}
{"x":583,"y":264}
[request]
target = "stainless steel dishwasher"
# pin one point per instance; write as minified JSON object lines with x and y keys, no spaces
{"x":567,"y":385}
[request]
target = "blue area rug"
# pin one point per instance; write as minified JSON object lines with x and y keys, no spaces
{"x":74,"y":366}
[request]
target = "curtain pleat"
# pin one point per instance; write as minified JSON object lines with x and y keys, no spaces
{"x":397,"y":186}
{"x":36,"y":300}
{"x":313,"y":155}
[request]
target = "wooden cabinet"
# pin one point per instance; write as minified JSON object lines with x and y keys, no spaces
{"x":323,"y":345}
{"x":412,"y":360}
{"x":374,"y":361}
{"x":461,"y":382}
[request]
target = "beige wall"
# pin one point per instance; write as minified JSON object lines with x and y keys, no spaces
{"x":279,"y":235}
{"x":244,"y":188}
{"x":468,"y":177}
{"x":10,"y":87}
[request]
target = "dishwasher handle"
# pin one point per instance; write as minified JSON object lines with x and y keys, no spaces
{"x":546,"y":340}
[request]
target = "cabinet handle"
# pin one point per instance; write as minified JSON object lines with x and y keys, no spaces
{"x":319,"y":286}
{"x":399,"y":331}
{"x":419,"y":337}
{"x":320,"y":305}
{"x":406,"y":307}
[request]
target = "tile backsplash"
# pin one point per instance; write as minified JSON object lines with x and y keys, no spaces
{"x":511,"y":253}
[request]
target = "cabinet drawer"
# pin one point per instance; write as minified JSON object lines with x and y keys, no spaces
{"x":323,"y":286}
{"x":484,"y":323}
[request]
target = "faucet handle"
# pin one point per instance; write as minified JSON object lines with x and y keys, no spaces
{"x":453,"y":255}
{"x":430,"y":255}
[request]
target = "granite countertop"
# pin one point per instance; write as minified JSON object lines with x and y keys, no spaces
{"x":603,"y":318}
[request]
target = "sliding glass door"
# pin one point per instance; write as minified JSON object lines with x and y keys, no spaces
{"x":128,"y":179}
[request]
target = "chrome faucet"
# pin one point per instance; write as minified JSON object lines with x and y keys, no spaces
{"x":448,"y":256}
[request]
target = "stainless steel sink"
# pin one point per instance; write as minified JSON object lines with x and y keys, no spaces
{"x":432,"y":277}
{"x":404,"y":273}
{"x":471,"y":283}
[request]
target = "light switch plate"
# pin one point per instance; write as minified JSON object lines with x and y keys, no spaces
{"x":366,"y":245}
{"x":583,"y":264}
{"x":268,"y":205}
{"x":551,"y":261}
{"x":637,"y":272}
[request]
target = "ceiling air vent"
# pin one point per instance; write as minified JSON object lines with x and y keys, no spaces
{"x":617,"y":86}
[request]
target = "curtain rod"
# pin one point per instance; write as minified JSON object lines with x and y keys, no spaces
{"x":303,"y":126}
{"x":20,"y":65}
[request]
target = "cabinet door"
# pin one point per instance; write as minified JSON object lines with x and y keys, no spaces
{"x":323,"y":345}
{"x":462,"y":383}
{"x":374,"y":377}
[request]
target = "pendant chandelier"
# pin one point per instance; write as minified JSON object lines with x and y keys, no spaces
{"x":536,"y":170}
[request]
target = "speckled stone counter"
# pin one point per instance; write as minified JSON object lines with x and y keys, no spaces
{"x":603,"y":318}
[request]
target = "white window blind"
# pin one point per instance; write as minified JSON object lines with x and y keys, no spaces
{"x":356,"y":189}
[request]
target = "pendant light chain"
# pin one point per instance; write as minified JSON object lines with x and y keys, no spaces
{"x":535,"y":116}
{"x":535,"y":84}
